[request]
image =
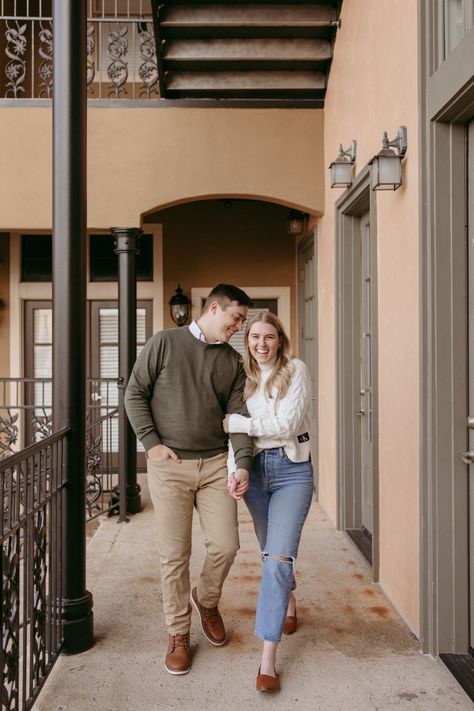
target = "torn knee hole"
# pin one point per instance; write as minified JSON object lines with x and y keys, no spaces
{"x":277,"y":557}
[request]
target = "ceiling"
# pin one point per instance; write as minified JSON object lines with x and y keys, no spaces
{"x":245,"y":52}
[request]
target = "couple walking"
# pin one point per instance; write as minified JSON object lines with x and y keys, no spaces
{"x":188,"y":395}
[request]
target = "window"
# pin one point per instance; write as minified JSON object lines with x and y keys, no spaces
{"x":103,"y":262}
{"x":36,"y":258}
{"x":458,"y":20}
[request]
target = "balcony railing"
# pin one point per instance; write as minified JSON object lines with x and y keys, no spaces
{"x":25,"y":419}
{"x":32,"y":484}
{"x":121,"y":57}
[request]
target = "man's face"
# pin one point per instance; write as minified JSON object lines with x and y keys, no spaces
{"x":228,"y":320}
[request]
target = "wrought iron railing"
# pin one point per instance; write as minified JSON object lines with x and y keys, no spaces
{"x":121,"y":56}
{"x":26,"y":418}
{"x":32,"y":483}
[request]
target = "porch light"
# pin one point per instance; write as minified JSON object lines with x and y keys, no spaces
{"x":386,"y":166}
{"x":179,"y":307}
{"x":341,"y":168}
{"x":295,"y":222}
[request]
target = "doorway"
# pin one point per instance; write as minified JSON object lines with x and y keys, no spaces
{"x":356,"y":352}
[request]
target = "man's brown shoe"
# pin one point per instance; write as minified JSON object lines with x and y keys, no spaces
{"x":178,"y":660}
{"x":211,"y":621}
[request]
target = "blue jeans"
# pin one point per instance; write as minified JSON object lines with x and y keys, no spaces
{"x":278,"y":498}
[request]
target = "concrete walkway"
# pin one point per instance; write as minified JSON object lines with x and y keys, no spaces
{"x":351,"y":652}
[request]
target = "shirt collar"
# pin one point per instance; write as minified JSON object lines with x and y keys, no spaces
{"x":197,"y":333}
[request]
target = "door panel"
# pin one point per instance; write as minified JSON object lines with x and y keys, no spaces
{"x":471,"y":367}
{"x":365,"y":412}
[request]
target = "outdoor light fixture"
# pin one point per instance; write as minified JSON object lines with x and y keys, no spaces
{"x":386,"y":166}
{"x":341,"y":168}
{"x":179,"y":307}
{"x":295,"y":222}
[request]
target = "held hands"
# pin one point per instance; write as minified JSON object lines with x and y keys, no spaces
{"x":238,"y":483}
{"x":160,"y":453}
{"x":225,"y":423}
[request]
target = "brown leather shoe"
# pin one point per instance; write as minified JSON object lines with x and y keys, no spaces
{"x":291,"y":623}
{"x":178,"y":659}
{"x":267,"y":683}
{"x":211,"y":621}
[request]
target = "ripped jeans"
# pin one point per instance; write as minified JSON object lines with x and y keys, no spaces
{"x":278,"y":498}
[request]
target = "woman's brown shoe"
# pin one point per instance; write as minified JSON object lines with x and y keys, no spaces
{"x":266,"y":682}
{"x":291,"y":623}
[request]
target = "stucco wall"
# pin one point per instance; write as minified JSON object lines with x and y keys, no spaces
{"x":142,"y":158}
{"x":372,"y":88}
{"x":244,"y":243}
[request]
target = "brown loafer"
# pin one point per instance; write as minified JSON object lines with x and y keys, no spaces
{"x":211,"y":621}
{"x":291,"y":623}
{"x":178,"y":658}
{"x":267,"y":683}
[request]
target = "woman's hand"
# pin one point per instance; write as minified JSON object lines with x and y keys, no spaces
{"x":225,"y":423}
{"x":238,"y":483}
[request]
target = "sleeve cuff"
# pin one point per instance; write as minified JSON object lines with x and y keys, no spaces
{"x":239,"y":424}
{"x":150,"y":440}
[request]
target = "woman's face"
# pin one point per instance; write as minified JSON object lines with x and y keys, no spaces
{"x":264,"y":342}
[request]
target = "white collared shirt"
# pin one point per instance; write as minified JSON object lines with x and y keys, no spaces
{"x":197,"y":333}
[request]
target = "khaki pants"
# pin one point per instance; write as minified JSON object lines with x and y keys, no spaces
{"x":175,"y":490}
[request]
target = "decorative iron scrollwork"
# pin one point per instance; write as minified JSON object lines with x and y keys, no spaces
{"x":94,"y":487}
{"x":8,"y":433}
{"x":117,"y":71}
{"x":90,"y":56}
{"x":39,"y":598}
{"x":148,"y":70}
{"x":42,"y":424}
{"x":10,"y":621}
{"x":15,"y":69}
{"x":46,"y":53}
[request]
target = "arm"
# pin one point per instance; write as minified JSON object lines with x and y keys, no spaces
{"x":241,"y":442}
{"x":140,"y":390}
{"x":291,"y":409}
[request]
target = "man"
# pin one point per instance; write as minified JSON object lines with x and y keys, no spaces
{"x":184,"y":382}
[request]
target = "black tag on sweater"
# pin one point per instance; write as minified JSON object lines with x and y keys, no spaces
{"x":303,"y":437}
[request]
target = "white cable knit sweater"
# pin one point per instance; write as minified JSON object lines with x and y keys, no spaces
{"x":279,"y":423}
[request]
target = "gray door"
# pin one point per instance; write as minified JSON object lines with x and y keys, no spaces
{"x":365,"y":412}
{"x":471,"y":366}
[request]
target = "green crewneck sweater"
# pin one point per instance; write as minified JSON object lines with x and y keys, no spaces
{"x":179,"y":391}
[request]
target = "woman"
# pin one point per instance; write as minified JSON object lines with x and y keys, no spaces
{"x":278,"y":398}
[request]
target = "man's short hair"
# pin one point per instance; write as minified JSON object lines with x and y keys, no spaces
{"x":224,"y":293}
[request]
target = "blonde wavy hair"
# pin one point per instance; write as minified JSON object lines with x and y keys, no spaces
{"x":283,"y":368}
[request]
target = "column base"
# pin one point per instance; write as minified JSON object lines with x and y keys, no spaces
{"x":78,"y":624}
{"x":134,"y":499}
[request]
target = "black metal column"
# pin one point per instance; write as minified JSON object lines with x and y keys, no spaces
{"x":126,"y":247}
{"x":69,"y":298}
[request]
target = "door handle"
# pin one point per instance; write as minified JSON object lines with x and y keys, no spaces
{"x":470,"y":423}
{"x":360,"y":413}
{"x":467,"y":457}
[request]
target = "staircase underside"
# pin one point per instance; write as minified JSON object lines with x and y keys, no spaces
{"x":243,"y":52}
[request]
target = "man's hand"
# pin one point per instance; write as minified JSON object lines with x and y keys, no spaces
{"x":238,"y":483}
{"x":225,"y":423}
{"x":160,"y":453}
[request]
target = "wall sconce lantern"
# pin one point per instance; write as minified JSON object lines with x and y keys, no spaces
{"x":295,"y":222}
{"x":341,"y":168}
{"x":179,"y":307}
{"x":386,"y":166}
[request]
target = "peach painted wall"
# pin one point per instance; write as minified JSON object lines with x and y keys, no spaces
{"x":372,"y":88}
{"x":143,"y":158}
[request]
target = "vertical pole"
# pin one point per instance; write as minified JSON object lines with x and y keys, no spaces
{"x":126,"y":247}
{"x":69,"y":298}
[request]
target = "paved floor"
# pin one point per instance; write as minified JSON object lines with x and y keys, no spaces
{"x":351,"y":652}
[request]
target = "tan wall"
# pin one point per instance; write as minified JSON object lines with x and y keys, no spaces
{"x":144,"y":158}
{"x":246,"y":244}
{"x":372,"y":88}
{"x":4,"y":305}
